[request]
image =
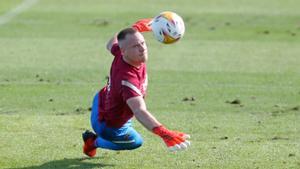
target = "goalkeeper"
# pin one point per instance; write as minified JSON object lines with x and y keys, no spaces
{"x":123,"y":97}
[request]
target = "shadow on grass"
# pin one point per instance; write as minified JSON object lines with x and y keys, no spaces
{"x":76,"y":163}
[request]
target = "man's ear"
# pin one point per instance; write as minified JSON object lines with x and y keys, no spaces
{"x":122,"y":50}
{"x":121,"y":46}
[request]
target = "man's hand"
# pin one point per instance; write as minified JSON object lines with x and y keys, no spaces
{"x":174,"y":140}
{"x":143,"y":25}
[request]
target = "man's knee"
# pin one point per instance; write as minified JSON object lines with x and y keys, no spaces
{"x":138,"y":142}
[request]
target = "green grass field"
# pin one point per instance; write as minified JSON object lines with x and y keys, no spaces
{"x":239,"y":60}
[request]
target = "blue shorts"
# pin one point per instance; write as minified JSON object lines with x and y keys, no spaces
{"x":123,"y":138}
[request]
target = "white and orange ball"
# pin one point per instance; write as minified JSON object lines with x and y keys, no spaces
{"x":168,"y":27}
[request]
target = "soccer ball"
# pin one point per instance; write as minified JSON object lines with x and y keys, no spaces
{"x":168,"y":27}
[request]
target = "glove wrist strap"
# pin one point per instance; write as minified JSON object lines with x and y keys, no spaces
{"x":159,"y":130}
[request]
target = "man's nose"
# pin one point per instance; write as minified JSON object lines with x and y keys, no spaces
{"x":142,"y":48}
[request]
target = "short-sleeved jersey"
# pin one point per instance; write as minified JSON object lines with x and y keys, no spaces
{"x":125,"y":81}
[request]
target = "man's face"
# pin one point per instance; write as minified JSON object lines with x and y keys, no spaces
{"x":135,"y":48}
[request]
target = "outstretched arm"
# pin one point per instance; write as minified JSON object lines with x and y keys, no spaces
{"x":111,"y":42}
{"x":142,"y":25}
{"x":174,"y":140}
{"x":138,"y":107}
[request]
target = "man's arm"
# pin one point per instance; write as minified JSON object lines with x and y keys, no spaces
{"x":142,"y":25}
{"x":111,"y":42}
{"x":173,"y":139}
{"x":138,"y":107}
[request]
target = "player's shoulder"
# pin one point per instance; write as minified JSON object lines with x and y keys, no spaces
{"x":123,"y":76}
{"x":127,"y":74}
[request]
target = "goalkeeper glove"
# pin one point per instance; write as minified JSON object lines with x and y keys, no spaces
{"x":143,"y":25}
{"x":174,"y":140}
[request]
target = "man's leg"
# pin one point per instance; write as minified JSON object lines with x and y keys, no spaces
{"x":124,"y":138}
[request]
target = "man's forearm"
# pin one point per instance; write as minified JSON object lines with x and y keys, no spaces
{"x":112,"y":41}
{"x":146,"y":119}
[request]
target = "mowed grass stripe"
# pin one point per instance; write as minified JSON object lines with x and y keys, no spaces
{"x":26,"y":4}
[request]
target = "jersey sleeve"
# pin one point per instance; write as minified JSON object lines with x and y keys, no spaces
{"x":130,"y":87}
{"x":115,"y":50}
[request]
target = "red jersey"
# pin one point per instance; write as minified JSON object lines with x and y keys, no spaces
{"x":125,"y":81}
